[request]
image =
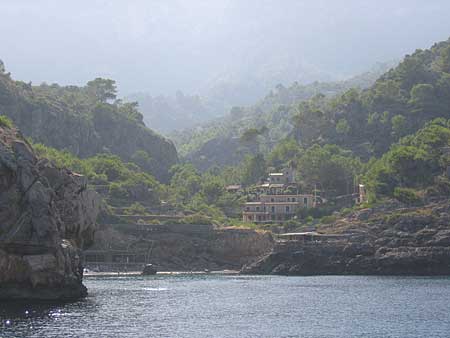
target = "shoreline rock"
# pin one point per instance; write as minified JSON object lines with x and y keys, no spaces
{"x":47,"y":215}
{"x":390,"y":241}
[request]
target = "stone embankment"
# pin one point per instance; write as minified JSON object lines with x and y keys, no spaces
{"x":389,"y":240}
{"x":47,"y":215}
{"x":175,"y":247}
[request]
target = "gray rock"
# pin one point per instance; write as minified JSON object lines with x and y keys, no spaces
{"x":46,"y":217}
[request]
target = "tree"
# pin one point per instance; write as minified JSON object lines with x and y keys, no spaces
{"x":143,"y":159}
{"x":2,"y":67}
{"x":331,"y":167}
{"x":444,"y":60}
{"x":342,"y":127}
{"x":185,"y":182}
{"x":409,"y":164}
{"x":423,"y":99}
{"x":283,"y":152}
{"x":212,"y":189}
{"x":249,"y":138}
{"x":102,"y":89}
{"x":254,"y":169}
{"x":398,"y":125}
{"x":130,"y":110}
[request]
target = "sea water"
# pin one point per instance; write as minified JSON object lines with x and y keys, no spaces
{"x":241,"y":306}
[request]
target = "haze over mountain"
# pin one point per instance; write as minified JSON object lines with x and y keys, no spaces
{"x":202,"y":47}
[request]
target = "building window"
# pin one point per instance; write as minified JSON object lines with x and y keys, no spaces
{"x":257,"y":208}
{"x":247,"y":208}
{"x":272,"y":200}
{"x":289,"y":199}
{"x":273,"y":209}
{"x":305,"y":200}
{"x":287,"y":209}
{"x":264,"y":208}
{"x":293,"y":199}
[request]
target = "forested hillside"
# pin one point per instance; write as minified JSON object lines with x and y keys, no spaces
{"x":85,"y":121}
{"x":219,"y":142}
{"x":393,"y":136}
{"x":399,"y":103}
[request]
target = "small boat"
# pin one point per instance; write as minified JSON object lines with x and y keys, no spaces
{"x":149,"y":270}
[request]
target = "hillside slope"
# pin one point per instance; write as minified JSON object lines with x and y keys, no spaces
{"x":399,"y":103}
{"x":205,"y":144}
{"x":81,"y":120}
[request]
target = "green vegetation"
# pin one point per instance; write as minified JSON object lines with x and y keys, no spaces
{"x":418,"y":162}
{"x":273,"y":115}
{"x":85,"y":121}
{"x":204,"y":195}
{"x":393,"y":136}
{"x":6,"y":122}
{"x":123,"y":181}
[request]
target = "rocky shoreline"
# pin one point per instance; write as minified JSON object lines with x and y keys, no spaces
{"x":388,"y":240}
{"x":47,"y":216}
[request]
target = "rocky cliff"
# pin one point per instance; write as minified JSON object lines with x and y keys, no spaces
{"x":46,"y":216}
{"x":388,"y":240}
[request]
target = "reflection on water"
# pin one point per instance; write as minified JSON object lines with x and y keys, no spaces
{"x":20,"y":319}
{"x":241,"y":306}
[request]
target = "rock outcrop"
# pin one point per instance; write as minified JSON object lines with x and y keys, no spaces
{"x":382,"y":241}
{"x":47,"y":215}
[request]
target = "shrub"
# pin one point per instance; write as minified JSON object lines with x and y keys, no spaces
{"x":328,"y":219}
{"x":136,"y":209}
{"x":407,"y":196}
{"x":117,"y":191}
{"x":346,"y":211}
{"x":5,"y":122}
{"x":197,"y":218}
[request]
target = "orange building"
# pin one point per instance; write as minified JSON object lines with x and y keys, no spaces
{"x":276,"y":208}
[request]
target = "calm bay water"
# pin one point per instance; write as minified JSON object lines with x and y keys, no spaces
{"x":241,"y":306}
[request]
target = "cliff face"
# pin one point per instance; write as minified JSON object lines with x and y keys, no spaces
{"x":380,"y":241}
{"x":46,"y":216}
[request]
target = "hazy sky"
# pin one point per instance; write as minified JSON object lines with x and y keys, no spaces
{"x":163,"y":45}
